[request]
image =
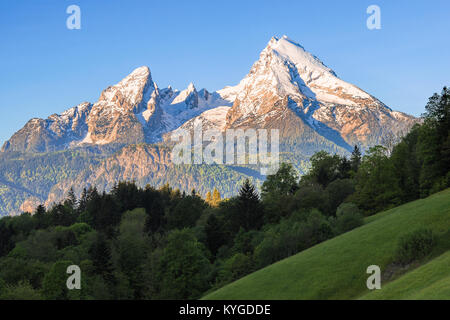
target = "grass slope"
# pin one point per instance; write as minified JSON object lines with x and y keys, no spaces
{"x":430,"y":281}
{"x":336,"y":269}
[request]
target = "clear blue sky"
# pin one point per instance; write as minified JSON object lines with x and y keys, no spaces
{"x":46,"y":68}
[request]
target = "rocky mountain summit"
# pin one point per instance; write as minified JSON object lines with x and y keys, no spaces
{"x":291,"y":89}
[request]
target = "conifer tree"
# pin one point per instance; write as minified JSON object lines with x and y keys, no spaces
{"x":101,"y":257}
{"x":355,"y":159}
{"x":216,"y":198}
{"x":250,"y":207}
{"x":71,"y":200}
{"x":208,"y":198}
{"x":83,"y":201}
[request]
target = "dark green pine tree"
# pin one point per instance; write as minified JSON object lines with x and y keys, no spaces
{"x":6,"y":238}
{"x":82,"y":203}
{"x":41,"y":218}
{"x":100,"y":254}
{"x":71,"y":201}
{"x":92,"y":194}
{"x":355,"y":159}
{"x":250,"y":207}
{"x":215,"y":236}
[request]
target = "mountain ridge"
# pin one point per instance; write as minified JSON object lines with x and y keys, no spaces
{"x":287,"y":88}
{"x":136,"y":110}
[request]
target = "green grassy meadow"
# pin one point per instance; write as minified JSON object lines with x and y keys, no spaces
{"x":336,"y":269}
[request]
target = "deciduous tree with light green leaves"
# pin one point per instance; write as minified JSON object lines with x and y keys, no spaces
{"x":183,"y":267}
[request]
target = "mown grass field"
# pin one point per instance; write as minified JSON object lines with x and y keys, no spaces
{"x":336,"y":269}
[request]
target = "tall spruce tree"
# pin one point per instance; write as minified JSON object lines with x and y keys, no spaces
{"x":355,"y":159}
{"x":100,"y":253}
{"x":250,"y":207}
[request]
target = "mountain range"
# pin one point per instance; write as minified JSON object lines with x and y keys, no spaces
{"x":122,"y":136}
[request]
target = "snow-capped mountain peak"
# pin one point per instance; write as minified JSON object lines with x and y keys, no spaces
{"x":128,"y":93}
{"x":294,"y":71}
{"x":287,"y":86}
{"x":191,"y":87}
{"x":294,"y":52}
{"x":288,"y":81}
{"x":189,"y":93}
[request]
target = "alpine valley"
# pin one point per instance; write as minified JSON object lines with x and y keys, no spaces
{"x":123,"y":136}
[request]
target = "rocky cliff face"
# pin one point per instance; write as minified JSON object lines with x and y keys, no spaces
{"x":113,"y":117}
{"x":138,"y":163}
{"x":54,"y":133}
